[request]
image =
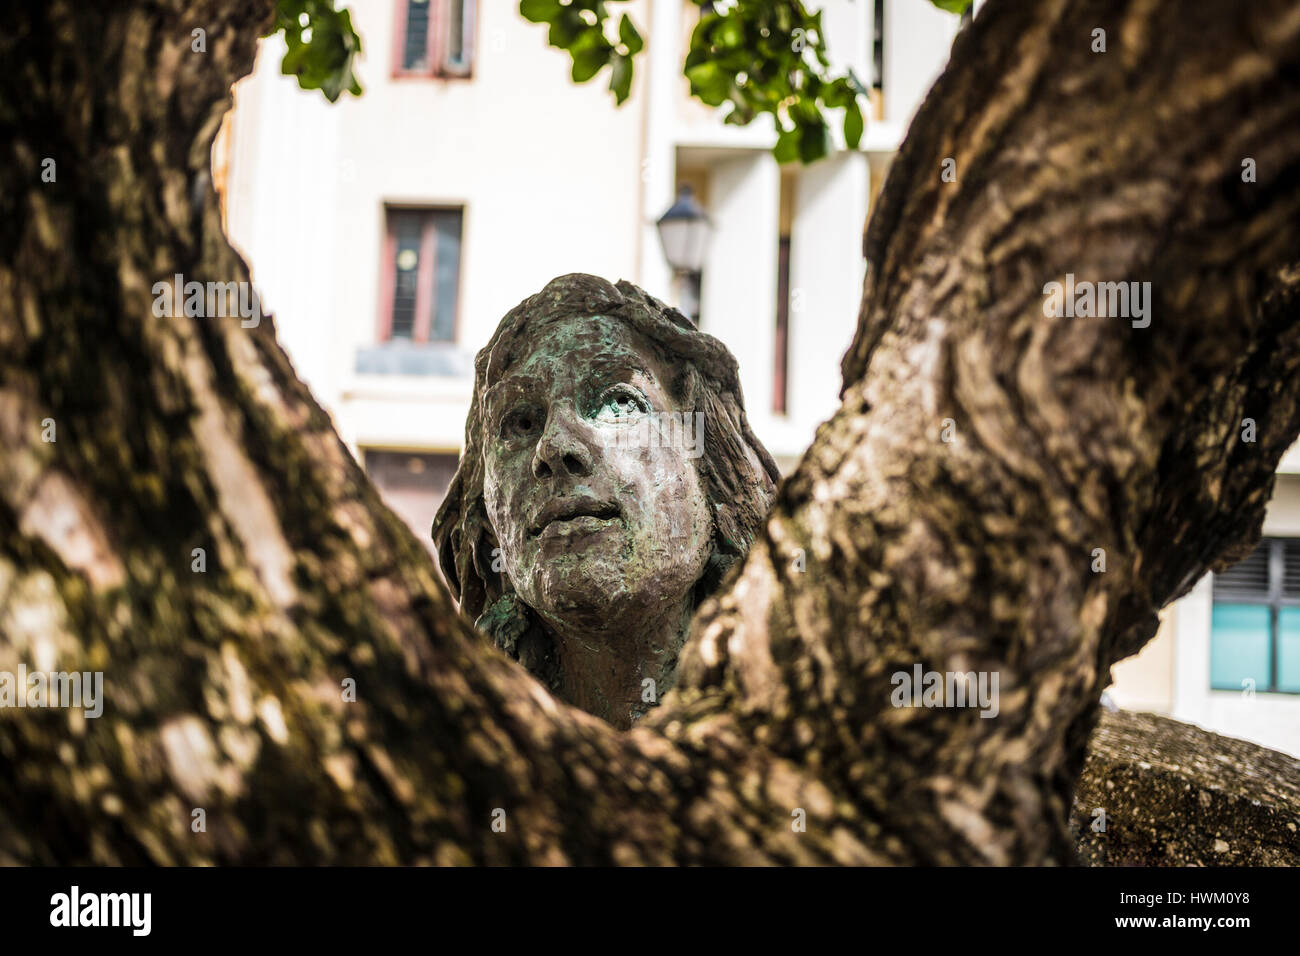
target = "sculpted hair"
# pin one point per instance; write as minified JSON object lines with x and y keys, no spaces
{"x":736,"y":472}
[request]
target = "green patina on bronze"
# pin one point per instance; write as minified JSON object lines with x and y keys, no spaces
{"x":584,"y":527}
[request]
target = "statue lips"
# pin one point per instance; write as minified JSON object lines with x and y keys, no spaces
{"x":566,"y":512}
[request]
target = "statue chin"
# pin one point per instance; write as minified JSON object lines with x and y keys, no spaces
{"x":595,"y":596}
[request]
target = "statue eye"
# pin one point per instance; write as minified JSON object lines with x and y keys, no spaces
{"x":621,"y":403}
{"x":519,"y":422}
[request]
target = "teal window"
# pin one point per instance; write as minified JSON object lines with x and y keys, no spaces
{"x":1255,"y":626}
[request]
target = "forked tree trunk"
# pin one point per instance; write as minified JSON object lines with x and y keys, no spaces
{"x":1067,"y":435}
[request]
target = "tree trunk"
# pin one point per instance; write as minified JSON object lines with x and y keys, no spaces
{"x":224,"y":687}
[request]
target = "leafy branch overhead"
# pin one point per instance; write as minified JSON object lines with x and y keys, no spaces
{"x":757,"y":56}
{"x":754,"y":56}
{"x":579,"y":26}
{"x":322,"y":46}
{"x":771,"y":58}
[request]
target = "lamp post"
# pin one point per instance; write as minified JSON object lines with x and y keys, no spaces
{"x":684,"y":234}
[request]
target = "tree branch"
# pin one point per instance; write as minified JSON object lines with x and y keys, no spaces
{"x":1068,"y":434}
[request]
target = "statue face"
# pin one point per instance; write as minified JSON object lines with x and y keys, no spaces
{"x":594,"y":495}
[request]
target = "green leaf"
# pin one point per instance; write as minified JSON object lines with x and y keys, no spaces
{"x":294,"y":60}
{"x":565,"y":28}
{"x":323,"y":62}
{"x":709,"y":83}
{"x":620,"y":81}
{"x":837,"y":94}
{"x":728,"y":33}
{"x":739,"y":116}
{"x":814,"y":141}
{"x":629,"y":37}
{"x":853,"y":126}
{"x":952,"y":6}
{"x":754,"y":38}
{"x":539,"y":11}
{"x":787,"y":146}
{"x":587,"y":62}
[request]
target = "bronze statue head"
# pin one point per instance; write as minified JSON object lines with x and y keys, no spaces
{"x":609,"y":480}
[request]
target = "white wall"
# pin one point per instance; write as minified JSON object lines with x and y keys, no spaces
{"x":282,"y":207}
{"x":1172,"y":674}
{"x":826,"y":273}
{"x":830,"y":214}
{"x":1272,"y":720}
{"x":914,"y":33}
{"x":548,"y":173}
{"x":738,"y":292}
{"x":547,"y":169}
{"x":661,"y":61}
{"x":553,"y":179}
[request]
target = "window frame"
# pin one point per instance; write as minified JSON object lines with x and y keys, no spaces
{"x":425,"y":292}
{"x":437,"y":49}
{"x":1275,"y":600}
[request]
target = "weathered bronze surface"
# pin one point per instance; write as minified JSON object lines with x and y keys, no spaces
{"x":610,"y":478}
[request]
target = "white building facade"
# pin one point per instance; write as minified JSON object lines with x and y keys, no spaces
{"x":501,"y":174}
{"x":1227,"y":655}
{"x":389,"y":234}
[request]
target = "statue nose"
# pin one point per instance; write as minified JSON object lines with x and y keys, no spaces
{"x":561,"y":450}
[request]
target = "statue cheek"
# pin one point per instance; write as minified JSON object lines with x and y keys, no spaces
{"x":697,"y":518}
{"x":492,"y":501}
{"x":703,"y":517}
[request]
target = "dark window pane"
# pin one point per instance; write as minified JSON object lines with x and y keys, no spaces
{"x":1291,"y":568}
{"x":1239,"y":646}
{"x":878,"y":46}
{"x":1247,"y":578}
{"x":412,"y":484}
{"x":446,"y":275}
{"x":416,"y":48}
{"x":406,"y":269}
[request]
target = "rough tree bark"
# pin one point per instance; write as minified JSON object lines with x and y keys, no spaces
{"x":223,"y":687}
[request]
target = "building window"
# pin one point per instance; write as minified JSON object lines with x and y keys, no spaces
{"x":460,"y":36}
{"x":1255,"y":626}
{"x":876,"y":96}
{"x":433,"y":38}
{"x":421,"y":275}
{"x":412,"y":484}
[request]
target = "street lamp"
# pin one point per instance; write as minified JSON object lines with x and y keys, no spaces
{"x":684,"y":234}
